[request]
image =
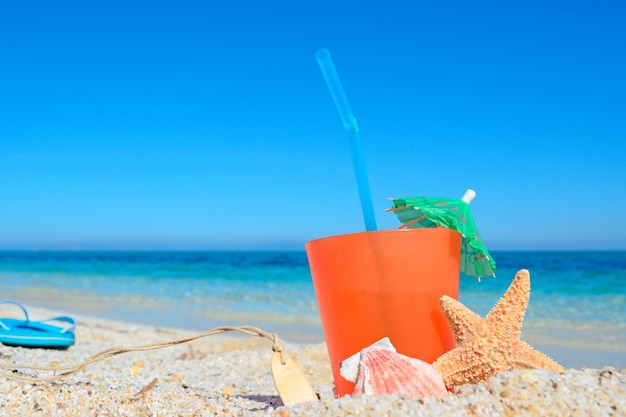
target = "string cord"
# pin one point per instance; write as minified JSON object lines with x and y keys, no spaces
{"x":60,"y":372}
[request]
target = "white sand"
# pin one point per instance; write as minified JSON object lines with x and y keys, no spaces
{"x":230,"y":375}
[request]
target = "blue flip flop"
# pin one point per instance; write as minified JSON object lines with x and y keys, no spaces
{"x":35,"y":334}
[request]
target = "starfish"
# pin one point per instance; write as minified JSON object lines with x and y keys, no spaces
{"x":490,"y":345}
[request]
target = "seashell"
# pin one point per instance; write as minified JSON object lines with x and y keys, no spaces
{"x":383,"y":371}
{"x":349,"y":368}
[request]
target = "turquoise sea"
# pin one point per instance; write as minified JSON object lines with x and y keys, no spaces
{"x":273,"y":290}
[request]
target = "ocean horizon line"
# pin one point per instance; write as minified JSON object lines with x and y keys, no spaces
{"x":268,"y":250}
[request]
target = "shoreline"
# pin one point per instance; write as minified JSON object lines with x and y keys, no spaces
{"x":574,"y":344}
{"x":229,"y":374}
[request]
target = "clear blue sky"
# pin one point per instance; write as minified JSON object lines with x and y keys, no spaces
{"x":208,"y":125}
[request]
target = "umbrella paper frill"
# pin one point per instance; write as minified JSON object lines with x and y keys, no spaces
{"x":419,"y":212}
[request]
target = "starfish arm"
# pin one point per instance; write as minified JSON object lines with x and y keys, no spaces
{"x":462,"y":366}
{"x":524,"y":356}
{"x":505,"y":318}
{"x":465,"y":324}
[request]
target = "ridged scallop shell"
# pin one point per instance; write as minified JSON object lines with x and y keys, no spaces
{"x":383,"y":371}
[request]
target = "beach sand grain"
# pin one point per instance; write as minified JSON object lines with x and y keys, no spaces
{"x":230,"y":374}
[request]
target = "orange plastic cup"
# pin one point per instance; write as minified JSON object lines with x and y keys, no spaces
{"x":385,"y":283}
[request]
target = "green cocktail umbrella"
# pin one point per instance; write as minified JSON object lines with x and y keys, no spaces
{"x":417,"y":212}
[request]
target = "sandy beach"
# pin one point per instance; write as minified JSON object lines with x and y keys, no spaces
{"x":229,"y":374}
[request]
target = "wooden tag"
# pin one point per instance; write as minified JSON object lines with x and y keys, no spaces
{"x":291,"y":384}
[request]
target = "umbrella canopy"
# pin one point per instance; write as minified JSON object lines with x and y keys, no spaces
{"x":417,"y":212}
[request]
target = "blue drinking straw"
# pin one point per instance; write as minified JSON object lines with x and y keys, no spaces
{"x":349,"y":123}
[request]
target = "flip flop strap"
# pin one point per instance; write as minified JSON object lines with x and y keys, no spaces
{"x":66,"y":319}
{"x":10,"y":301}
